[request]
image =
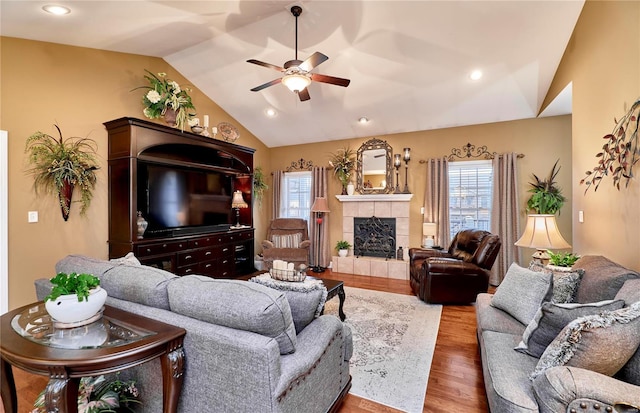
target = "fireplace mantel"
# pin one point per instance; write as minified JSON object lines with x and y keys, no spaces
{"x":375,"y":197}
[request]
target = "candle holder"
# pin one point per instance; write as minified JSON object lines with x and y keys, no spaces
{"x":396,"y":164}
{"x":407,"y":158}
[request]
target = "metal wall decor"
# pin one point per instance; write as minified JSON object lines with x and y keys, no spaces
{"x":300,"y":165}
{"x":470,"y":151}
{"x":373,"y":161}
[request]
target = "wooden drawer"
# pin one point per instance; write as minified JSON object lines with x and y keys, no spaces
{"x":188,"y":258}
{"x":201,"y":242}
{"x":187,"y":270}
{"x":144,"y":250}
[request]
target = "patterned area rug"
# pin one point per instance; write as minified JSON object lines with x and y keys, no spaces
{"x":394,"y":337}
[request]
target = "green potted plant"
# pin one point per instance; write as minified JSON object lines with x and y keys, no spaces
{"x":59,"y":165}
{"x":167,"y":99}
{"x":562,"y":259}
{"x":259,"y":184}
{"x":74,"y":297}
{"x":546,"y":196}
{"x":343,"y":248}
{"x":343,"y":163}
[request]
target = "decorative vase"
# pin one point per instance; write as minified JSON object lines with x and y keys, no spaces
{"x":67,"y":309}
{"x":344,"y":190}
{"x":343,"y":253}
{"x":142,"y":225}
{"x":64,"y":195}
{"x":350,"y":189}
{"x":170,"y":116}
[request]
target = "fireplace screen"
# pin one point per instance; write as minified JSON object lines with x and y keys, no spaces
{"x":374,"y":237}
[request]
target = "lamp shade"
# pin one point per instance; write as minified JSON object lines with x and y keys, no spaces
{"x":542,"y":233}
{"x":429,"y":229}
{"x":320,"y":205}
{"x":238,"y":201}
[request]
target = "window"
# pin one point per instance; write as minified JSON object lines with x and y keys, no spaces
{"x":470,"y":189}
{"x":295,"y":201}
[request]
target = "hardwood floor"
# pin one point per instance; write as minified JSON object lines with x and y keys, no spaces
{"x":455,"y":381}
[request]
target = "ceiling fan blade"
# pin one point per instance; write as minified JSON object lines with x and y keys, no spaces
{"x":313,"y":61}
{"x":269,"y":65}
{"x":304,"y":94}
{"x":266,"y":85}
{"x":330,"y":79}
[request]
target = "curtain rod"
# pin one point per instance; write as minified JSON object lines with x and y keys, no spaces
{"x":470,"y":151}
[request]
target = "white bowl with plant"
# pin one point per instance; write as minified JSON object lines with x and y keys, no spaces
{"x":343,"y":248}
{"x":74,"y":297}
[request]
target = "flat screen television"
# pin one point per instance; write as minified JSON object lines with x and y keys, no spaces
{"x":176,"y":200}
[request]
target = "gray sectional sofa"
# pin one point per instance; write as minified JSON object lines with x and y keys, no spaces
{"x":247,"y":349}
{"x":509,"y":373}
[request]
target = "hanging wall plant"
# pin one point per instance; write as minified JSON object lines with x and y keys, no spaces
{"x":619,"y":153}
{"x":59,"y":165}
{"x":546,"y":197}
{"x":259,"y":184}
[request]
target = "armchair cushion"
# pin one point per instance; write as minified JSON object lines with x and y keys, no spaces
{"x":522,"y":292}
{"x":236,"y":304}
{"x":287,"y":240}
{"x":602,"y":343}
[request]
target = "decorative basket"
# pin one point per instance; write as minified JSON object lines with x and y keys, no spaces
{"x":287,"y":275}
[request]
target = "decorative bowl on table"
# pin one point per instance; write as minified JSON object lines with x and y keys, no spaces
{"x":197,"y":129}
{"x":287,"y":275}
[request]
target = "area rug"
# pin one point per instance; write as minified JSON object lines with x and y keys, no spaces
{"x":394,"y":337}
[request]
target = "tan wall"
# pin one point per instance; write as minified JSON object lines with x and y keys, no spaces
{"x":603,"y":62}
{"x":78,"y":89}
{"x":542,"y":141}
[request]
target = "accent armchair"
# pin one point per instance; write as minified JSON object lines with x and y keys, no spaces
{"x":288,"y":240}
{"x":458,"y":274}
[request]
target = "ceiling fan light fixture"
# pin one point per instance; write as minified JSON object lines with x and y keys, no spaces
{"x":296,"y":82}
{"x":363,"y":120}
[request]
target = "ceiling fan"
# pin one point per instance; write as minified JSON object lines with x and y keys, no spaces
{"x":297,"y":74}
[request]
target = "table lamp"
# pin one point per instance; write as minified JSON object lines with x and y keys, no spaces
{"x":237,"y":202}
{"x":319,"y":207}
{"x":429,"y":233}
{"x":542,"y":234}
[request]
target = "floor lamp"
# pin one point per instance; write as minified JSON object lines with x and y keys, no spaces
{"x":320,"y":207}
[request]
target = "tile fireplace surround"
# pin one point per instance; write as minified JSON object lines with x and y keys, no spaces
{"x":381,"y":206}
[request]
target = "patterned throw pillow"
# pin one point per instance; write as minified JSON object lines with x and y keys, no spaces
{"x":565,"y":281}
{"x":602,"y":343}
{"x":551,"y":318}
{"x":287,"y":240}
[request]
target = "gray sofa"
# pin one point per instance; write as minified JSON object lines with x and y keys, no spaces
{"x":562,"y":388}
{"x":247,"y":349}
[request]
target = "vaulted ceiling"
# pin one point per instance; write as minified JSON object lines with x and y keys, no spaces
{"x":408,"y":61}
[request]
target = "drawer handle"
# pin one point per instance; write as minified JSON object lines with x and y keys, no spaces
{"x":207,"y":266}
{"x":188,"y":270}
{"x":207,"y":253}
{"x":196,"y":243}
{"x":179,"y":245}
{"x":225,"y":273}
{"x":225,"y":249}
{"x":231,"y":238}
{"x":164,"y":245}
{"x":188,"y":257}
{"x":225,"y":261}
{"x":148,"y":249}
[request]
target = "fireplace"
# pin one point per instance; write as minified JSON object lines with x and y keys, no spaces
{"x":374,"y":237}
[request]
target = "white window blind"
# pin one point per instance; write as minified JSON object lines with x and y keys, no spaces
{"x":295,"y":198}
{"x":470,"y":189}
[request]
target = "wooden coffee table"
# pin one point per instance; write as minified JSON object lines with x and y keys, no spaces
{"x":335,"y":287}
{"x":117,"y":341}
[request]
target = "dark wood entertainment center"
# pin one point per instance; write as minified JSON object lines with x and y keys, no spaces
{"x":220,"y":252}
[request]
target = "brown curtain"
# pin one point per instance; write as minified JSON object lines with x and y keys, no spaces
{"x":319,"y":188}
{"x":277,"y":191}
{"x":505,"y":220}
{"x":436,"y":199}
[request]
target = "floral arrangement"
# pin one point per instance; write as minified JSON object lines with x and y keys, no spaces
{"x":98,"y":395}
{"x":166,"y":95}
{"x":546,"y":196}
{"x":343,"y":163}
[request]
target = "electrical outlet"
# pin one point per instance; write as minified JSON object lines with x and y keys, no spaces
{"x":422,"y":210}
{"x":580,"y":216}
{"x":32,"y":216}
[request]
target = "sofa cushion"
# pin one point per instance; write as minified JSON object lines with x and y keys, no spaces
{"x":565,"y":281}
{"x":83,"y":264}
{"x":236,"y":304}
{"x":522,"y":292}
{"x":602,"y":278}
{"x":602,"y":343}
{"x":630,"y":292}
{"x":138,"y":283}
{"x":551,"y":318}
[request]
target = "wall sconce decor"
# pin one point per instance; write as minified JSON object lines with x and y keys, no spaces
{"x":396,"y":164}
{"x":407,"y":158}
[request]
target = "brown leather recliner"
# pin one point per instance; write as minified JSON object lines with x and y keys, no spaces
{"x":297,"y":254}
{"x":457,"y":275}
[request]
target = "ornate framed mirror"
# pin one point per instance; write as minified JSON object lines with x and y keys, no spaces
{"x":374,"y":171}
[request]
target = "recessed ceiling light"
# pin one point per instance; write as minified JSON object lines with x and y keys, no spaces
{"x":363,"y":120}
{"x":475,"y":75}
{"x":270,"y":112}
{"x":57,"y":10}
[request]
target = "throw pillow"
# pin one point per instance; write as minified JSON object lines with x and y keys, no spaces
{"x":287,"y":240}
{"x":235,"y":304}
{"x":138,"y":283}
{"x":601,"y":343}
{"x":522,"y":292}
{"x":127,"y":259}
{"x":630,"y":292}
{"x":551,"y":318}
{"x":565,"y":281}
